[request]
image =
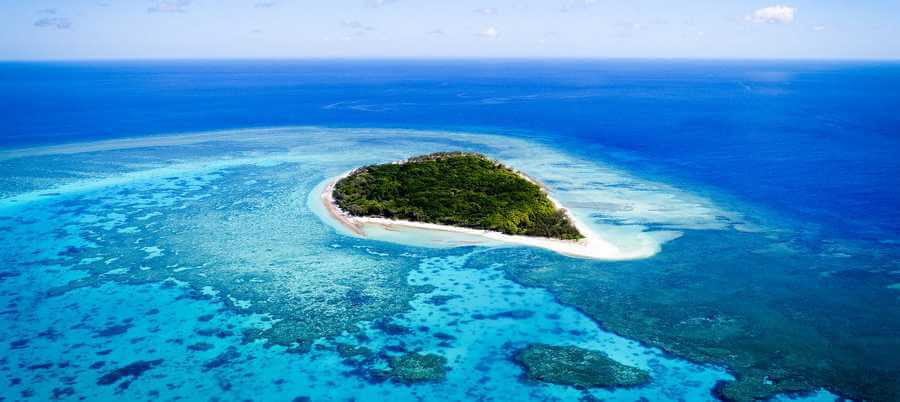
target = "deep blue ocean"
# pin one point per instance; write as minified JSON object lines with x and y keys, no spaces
{"x":815,"y":140}
{"x":192,"y":261}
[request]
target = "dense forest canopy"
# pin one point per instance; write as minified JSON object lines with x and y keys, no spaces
{"x":454,"y":188}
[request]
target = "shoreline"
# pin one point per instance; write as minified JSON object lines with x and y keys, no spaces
{"x":592,"y":246}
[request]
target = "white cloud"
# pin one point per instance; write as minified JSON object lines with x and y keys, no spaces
{"x":548,"y":36}
{"x":486,"y":11}
{"x":577,"y":5}
{"x":773,"y":15}
{"x":169,"y":6}
{"x":489,"y":33}
{"x":54,"y":22}
{"x":818,"y":28}
{"x":356,"y":28}
{"x":378,"y":3}
{"x":356,"y":25}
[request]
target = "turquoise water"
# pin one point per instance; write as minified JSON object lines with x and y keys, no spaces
{"x":201,"y":269}
{"x":763,"y":194}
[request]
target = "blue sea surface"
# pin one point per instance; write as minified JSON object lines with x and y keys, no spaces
{"x":818,"y":140}
{"x":164,"y":266}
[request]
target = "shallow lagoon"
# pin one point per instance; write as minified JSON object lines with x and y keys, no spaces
{"x":204,"y":262}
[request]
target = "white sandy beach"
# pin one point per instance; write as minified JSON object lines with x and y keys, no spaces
{"x":592,"y":246}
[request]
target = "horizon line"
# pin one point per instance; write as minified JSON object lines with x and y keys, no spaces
{"x":451,"y":59}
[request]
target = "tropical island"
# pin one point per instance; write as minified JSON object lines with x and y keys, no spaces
{"x":457,"y":189}
{"x":459,"y":198}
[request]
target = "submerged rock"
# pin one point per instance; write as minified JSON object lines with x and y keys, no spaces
{"x":132,"y":371}
{"x":415,"y":368}
{"x":347,"y":351}
{"x":574,"y":366}
{"x":227,"y":357}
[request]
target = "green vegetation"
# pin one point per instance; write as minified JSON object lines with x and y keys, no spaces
{"x":454,"y":188}
{"x":577,"y":367}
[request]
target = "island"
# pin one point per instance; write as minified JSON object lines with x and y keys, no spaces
{"x":457,"y":199}
{"x":577,"y":367}
{"x":457,"y":189}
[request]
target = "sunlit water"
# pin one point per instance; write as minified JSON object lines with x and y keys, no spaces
{"x":202,"y":265}
{"x":765,"y":191}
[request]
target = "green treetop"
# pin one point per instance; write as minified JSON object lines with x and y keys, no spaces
{"x":454,"y":188}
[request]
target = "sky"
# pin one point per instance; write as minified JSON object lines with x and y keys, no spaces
{"x":197,"y":29}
